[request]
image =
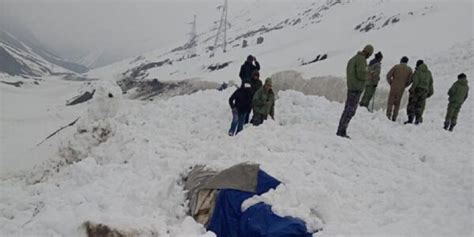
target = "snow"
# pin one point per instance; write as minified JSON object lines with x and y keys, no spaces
{"x":122,"y":164}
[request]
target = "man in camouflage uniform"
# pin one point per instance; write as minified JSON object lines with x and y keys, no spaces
{"x":421,"y":89}
{"x":373,"y":79}
{"x":457,"y":95}
{"x":263,"y":103}
{"x":356,"y":72}
{"x":399,"y":78}
{"x":410,"y":105}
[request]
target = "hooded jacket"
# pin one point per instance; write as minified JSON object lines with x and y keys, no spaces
{"x":241,"y":99}
{"x":356,"y":72}
{"x":263,"y":102}
{"x":459,"y":91}
{"x":422,"y":79}
{"x":246,"y":70}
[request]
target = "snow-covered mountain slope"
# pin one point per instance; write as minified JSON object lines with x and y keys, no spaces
{"x":27,"y":58}
{"x":122,"y":163}
{"x":297,"y":32}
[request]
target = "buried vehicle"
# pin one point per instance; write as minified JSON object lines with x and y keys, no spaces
{"x":215,"y":200}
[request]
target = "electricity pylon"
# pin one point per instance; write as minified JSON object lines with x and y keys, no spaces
{"x":192,"y":43}
{"x":221,"y":36}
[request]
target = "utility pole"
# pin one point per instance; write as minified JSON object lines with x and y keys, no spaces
{"x":221,"y":30}
{"x":192,"y":43}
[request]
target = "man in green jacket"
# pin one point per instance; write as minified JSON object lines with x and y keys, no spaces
{"x":373,"y":79}
{"x":457,"y":95}
{"x":356,"y":73}
{"x":421,"y":89}
{"x":263,"y":103}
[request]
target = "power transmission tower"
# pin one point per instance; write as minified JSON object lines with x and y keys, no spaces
{"x":192,"y":43}
{"x":222,"y":30}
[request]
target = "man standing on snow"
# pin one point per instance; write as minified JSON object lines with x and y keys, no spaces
{"x":240,"y":102}
{"x":411,"y":102}
{"x":421,"y":89}
{"x":399,"y":78}
{"x":375,"y":66}
{"x":248,"y":67}
{"x":457,"y":95}
{"x":263,"y":103}
{"x":255,"y":85}
{"x":356,"y":72}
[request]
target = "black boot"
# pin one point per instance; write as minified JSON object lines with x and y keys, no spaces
{"x":446,"y":125}
{"x":451,"y":127}
{"x":409,"y":121}
{"x":342,"y":134}
{"x":418,"y":120}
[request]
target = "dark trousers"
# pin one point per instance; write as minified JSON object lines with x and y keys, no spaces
{"x":368,"y":95}
{"x":247,"y":117}
{"x":416,"y":104}
{"x":258,"y":118}
{"x":452,"y":113}
{"x":237,"y":124}
{"x":349,"y":110}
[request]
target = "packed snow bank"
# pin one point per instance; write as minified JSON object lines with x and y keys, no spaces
{"x":330,"y":87}
{"x":389,"y":180}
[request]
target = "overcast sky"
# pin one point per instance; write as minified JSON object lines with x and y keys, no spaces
{"x":125,"y":27}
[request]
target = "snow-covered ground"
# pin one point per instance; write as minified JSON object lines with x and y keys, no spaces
{"x":389,"y":179}
{"x":123,"y":162}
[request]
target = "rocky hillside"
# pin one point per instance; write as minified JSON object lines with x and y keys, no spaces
{"x":24,"y":56}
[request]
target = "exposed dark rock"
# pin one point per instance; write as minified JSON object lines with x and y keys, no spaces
{"x":101,"y":230}
{"x":81,"y":98}
{"x":217,"y":66}
{"x":260,"y":40}
{"x":368,"y":27}
{"x":296,"y":21}
{"x":262,"y":29}
{"x":318,"y":58}
{"x":9,"y":65}
{"x":374,"y":22}
{"x":244,"y":44}
{"x":15,"y":84}
{"x":140,"y":71}
{"x":74,"y":77}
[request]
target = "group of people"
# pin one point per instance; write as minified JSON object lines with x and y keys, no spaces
{"x":253,"y":96}
{"x":363,"y":79}
{"x":258,"y":98}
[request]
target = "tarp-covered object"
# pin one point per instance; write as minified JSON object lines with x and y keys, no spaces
{"x":231,"y":187}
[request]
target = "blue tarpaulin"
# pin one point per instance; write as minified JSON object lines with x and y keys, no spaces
{"x":257,"y":221}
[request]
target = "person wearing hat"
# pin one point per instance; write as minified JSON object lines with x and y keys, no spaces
{"x":373,"y":79}
{"x":249,"y":66}
{"x":263,"y":103}
{"x":399,"y":78}
{"x":421,"y":88}
{"x":240,"y":102}
{"x":356,"y":73}
{"x":457,"y":95}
